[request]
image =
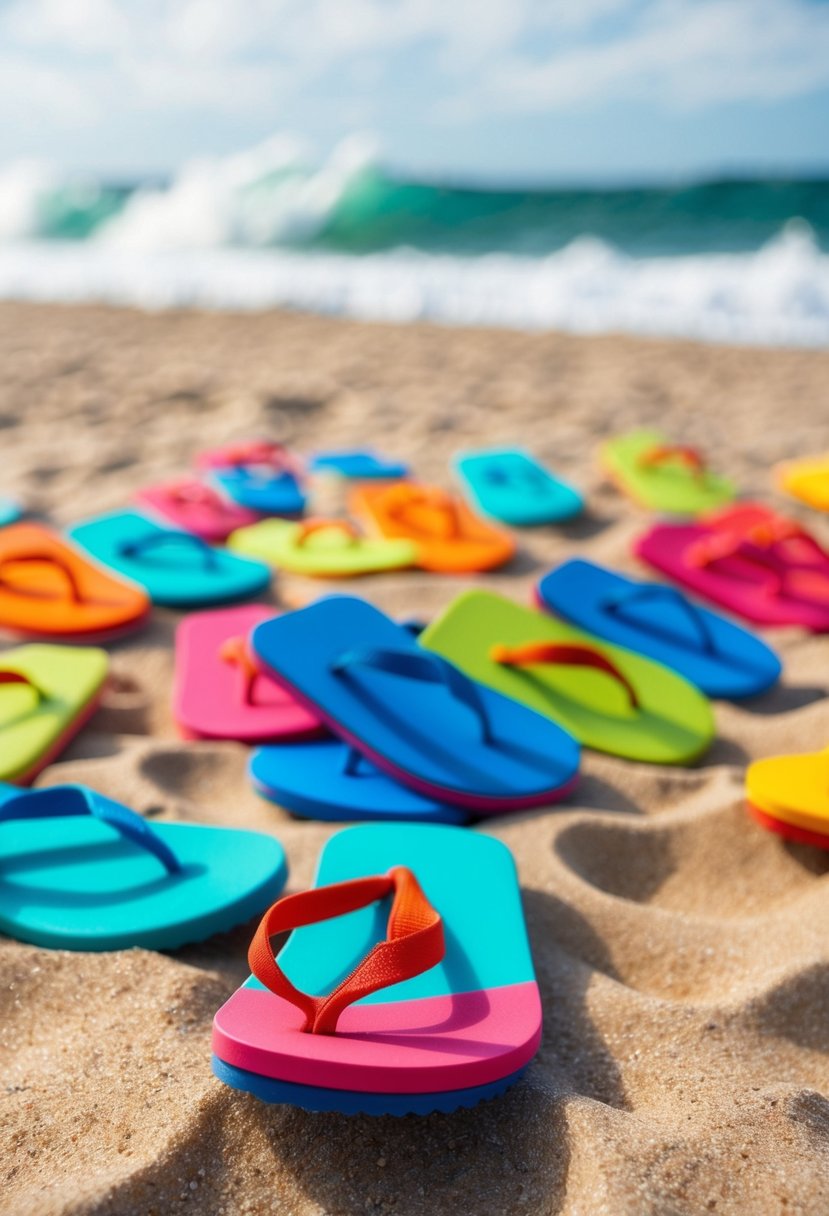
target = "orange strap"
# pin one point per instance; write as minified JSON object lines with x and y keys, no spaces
{"x":664,"y":452}
{"x":402,"y":500}
{"x":569,"y":655}
{"x":311,"y":526}
{"x":414,"y":941}
{"x":235,"y":650}
{"x":49,"y":559}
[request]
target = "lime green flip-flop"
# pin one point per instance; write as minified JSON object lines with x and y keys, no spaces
{"x":46,"y":695}
{"x":664,"y":476}
{"x":322,"y":548}
{"x":610,"y":698}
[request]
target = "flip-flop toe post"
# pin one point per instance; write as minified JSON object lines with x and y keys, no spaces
{"x":193,"y":506}
{"x":258,"y":475}
{"x":79,"y":871}
{"x":47,"y":693}
{"x":411,"y":713}
{"x":50,"y":589}
{"x":608,"y":697}
{"x":717,"y":655}
{"x":177,"y":568}
{"x":662,"y":476}
{"x":510,"y":485}
{"x":220,"y":692}
{"x":322,"y":548}
{"x":407,"y":988}
{"x":450,"y":538}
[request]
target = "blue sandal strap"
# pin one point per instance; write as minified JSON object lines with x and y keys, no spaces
{"x":653,"y":591}
{"x":162,"y":539}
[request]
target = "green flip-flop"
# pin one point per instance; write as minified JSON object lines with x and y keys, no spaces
{"x":664,"y":476}
{"x":610,"y":698}
{"x":322,"y":548}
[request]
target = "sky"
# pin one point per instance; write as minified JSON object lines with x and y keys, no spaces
{"x":492,"y":90}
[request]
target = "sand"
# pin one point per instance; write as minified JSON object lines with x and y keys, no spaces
{"x":682,"y":952}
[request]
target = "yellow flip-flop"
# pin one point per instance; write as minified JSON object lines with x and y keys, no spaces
{"x":806,"y":479}
{"x":792,"y":789}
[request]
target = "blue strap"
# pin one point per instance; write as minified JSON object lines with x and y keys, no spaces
{"x":354,"y":761}
{"x":430,"y":668}
{"x":616,"y":605}
{"x":65,"y":801}
{"x":161,"y":539}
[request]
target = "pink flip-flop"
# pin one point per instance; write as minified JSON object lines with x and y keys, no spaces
{"x":219,"y":690}
{"x":768,"y":574}
{"x":191,"y":505}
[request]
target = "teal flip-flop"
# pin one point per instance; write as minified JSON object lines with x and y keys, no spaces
{"x":510,"y":485}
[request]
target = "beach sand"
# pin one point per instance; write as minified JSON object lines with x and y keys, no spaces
{"x":682,"y":952}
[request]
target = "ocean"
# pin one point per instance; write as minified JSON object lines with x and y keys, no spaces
{"x":727,"y":260}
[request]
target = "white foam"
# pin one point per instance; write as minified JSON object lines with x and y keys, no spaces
{"x":777,"y":295}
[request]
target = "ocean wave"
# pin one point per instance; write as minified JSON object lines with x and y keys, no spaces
{"x":778,"y":294}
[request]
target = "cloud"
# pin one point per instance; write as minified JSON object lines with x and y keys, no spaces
{"x":89,"y":61}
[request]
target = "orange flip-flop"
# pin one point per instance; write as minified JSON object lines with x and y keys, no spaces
{"x":450,"y":538}
{"x":48,"y":589}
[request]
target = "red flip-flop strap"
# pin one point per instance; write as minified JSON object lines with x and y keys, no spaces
{"x":310,"y":527}
{"x":44,"y":558}
{"x":17,"y":677}
{"x":414,"y":942}
{"x":567,"y":654}
{"x":664,"y":452}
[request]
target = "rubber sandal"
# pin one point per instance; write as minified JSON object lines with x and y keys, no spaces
{"x":219,"y":691}
{"x":10,"y":511}
{"x":413,"y":715}
{"x":610,"y":699}
{"x":663,"y":476}
{"x":322,"y":548}
{"x":81,"y":872}
{"x":258,"y":475}
{"x":176,"y":568}
{"x":47,"y":693}
{"x":450,"y":539}
{"x":194,"y":507}
{"x":508,"y":484}
{"x":359,"y":464}
{"x":792,"y":789}
{"x":806,"y":479}
{"x":440,"y":1008}
{"x":719,"y":657}
{"x":49,"y":589}
{"x":751,"y":574}
{"x":331,"y":781}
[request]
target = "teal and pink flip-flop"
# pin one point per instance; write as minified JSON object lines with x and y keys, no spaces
{"x":413,"y":714}
{"x":81,"y":872}
{"x":406,"y":986}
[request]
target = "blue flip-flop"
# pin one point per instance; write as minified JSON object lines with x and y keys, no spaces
{"x":719,"y":656}
{"x":258,"y":475}
{"x":461,"y":1026}
{"x":176,"y":568}
{"x":359,"y":464}
{"x":508,"y":484}
{"x":81,"y":872}
{"x":414,"y":714}
{"x":10,"y":511}
{"x":326,"y":779}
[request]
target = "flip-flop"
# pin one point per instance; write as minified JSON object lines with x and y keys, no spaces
{"x":442,"y":1014}
{"x":412,"y":714}
{"x":450,"y":538}
{"x":719,"y":657}
{"x":792,"y":789}
{"x":47,"y":693}
{"x":331,"y":781}
{"x":194,"y":507}
{"x":10,"y":511}
{"x":508,"y":484}
{"x":788,"y":831}
{"x":81,"y":872}
{"x":806,"y":479}
{"x":49,"y":589}
{"x":176,"y":568}
{"x":258,"y":475}
{"x":609,"y":698}
{"x":359,"y":464}
{"x":220,"y":692}
{"x":322,"y":548}
{"x":664,"y":476}
{"x":751,"y":574}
